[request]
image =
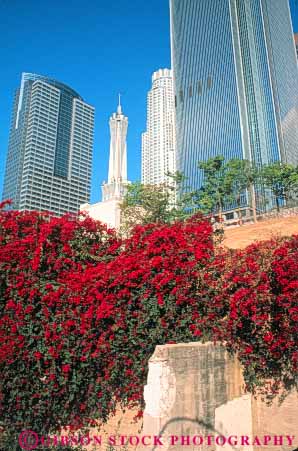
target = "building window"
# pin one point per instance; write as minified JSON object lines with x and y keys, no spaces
{"x":199,"y":87}
{"x":181,"y":95}
{"x":190,"y":91}
{"x":229,"y":216}
{"x":209,"y":82}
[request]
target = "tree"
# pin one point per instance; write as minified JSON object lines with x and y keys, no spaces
{"x":160,"y":203}
{"x":217,"y":187}
{"x":144,"y":204}
{"x":241,"y":175}
{"x":281,"y":179}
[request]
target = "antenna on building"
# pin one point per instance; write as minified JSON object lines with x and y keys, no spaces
{"x":119,"y":111}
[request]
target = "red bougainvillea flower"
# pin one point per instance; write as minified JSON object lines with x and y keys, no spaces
{"x":82,"y":312}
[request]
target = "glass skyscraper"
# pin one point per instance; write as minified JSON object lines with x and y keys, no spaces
{"x":236,"y":82}
{"x":50,"y":147}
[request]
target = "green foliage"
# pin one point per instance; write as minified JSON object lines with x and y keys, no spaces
{"x":224,"y":183}
{"x":241,"y":176}
{"x":281,"y":179}
{"x":217,"y":187}
{"x":148,"y":204}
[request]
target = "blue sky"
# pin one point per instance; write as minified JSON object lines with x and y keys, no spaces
{"x":98,"y":47}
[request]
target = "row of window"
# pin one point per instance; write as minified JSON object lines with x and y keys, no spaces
{"x":192,"y":89}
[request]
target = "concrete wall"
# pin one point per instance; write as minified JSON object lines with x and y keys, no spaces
{"x":196,"y":390}
{"x":108,"y":212}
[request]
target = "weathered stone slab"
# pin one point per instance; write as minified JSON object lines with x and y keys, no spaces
{"x":195,"y":401}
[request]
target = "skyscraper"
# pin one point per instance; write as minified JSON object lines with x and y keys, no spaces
{"x":158,"y":142}
{"x":236,"y":82}
{"x":50,"y":147}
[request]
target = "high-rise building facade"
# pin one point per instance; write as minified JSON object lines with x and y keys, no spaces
{"x":158,"y":142}
{"x":49,"y":158}
{"x":235,"y":80}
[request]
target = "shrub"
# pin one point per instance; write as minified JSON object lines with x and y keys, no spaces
{"x":47,"y":374}
{"x":82,"y":311}
{"x":258,"y":291}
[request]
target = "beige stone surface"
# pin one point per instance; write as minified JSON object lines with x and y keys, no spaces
{"x":120,"y":425}
{"x":240,"y":237}
{"x":235,"y":418}
{"x":186,"y":383}
{"x":196,"y":390}
{"x":278,"y":420}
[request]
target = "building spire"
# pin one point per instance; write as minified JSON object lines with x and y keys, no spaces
{"x":117,"y":179}
{"x":119,"y":110}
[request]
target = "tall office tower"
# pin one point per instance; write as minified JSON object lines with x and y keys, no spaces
{"x":117,"y":179}
{"x":236,"y":82}
{"x":158,"y":142}
{"x":49,"y":156}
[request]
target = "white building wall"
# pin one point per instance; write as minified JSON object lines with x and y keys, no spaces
{"x":108,"y":212}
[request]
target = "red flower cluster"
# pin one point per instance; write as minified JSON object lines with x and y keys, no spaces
{"x":82,"y":311}
{"x":45,"y":332}
{"x":254,"y":310}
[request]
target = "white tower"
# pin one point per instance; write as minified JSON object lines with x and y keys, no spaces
{"x":117,"y":180}
{"x":108,"y":211}
{"x":158,"y":142}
